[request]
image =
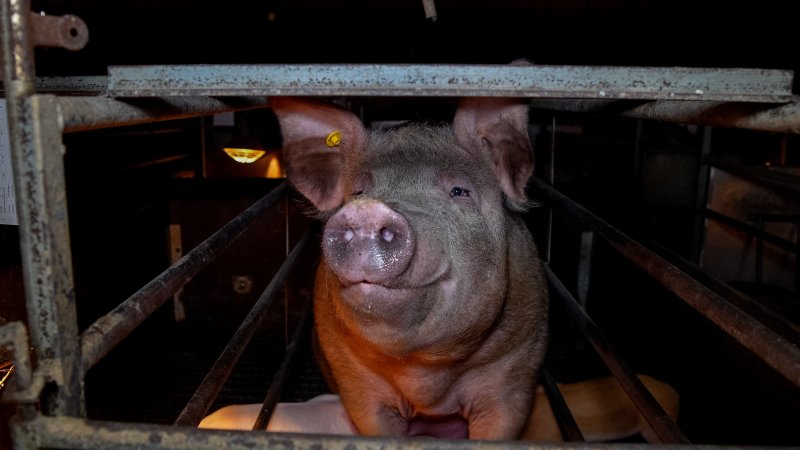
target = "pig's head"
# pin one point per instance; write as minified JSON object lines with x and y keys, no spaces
{"x":417,"y":218}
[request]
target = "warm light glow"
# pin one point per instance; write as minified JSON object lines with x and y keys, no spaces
{"x":274,"y":169}
{"x":244,"y":155}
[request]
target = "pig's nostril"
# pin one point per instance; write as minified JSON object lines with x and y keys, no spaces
{"x":387,"y":234}
{"x":348,"y":234}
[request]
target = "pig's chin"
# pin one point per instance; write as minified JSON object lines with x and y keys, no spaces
{"x":398,"y":308}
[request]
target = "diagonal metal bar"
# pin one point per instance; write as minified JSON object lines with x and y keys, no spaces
{"x":108,"y":331}
{"x":211,"y":385}
{"x":655,"y":415}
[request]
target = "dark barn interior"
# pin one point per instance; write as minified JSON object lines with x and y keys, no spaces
{"x":716,"y":200}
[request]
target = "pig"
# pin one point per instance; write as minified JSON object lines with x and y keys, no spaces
{"x":601,"y":409}
{"x":430,"y":304}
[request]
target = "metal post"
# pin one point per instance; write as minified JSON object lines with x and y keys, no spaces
{"x":37,"y":160}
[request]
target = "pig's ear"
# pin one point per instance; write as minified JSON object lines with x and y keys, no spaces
{"x":317,"y":139}
{"x":499,"y":127}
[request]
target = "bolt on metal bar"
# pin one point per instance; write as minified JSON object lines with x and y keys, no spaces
{"x":725,"y":113}
{"x":90,"y":113}
{"x":211,"y":385}
{"x":108,"y":331}
{"x":659,"y":421}
{"x":650,"y":83}
{"x":279,"y":380}
{"x":775,"y":350}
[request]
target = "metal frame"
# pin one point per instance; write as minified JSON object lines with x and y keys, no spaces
{"x":54,"y":418}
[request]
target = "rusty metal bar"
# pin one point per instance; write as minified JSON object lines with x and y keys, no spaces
{"x":778,"y":118}
{"x":566,"y":421}
{"x":105,"y":333}
{"x":769,"y":346}
{"x":90,"y":113}
{"x":70,"y":433}
{"x":758,"y":232}
{"x":38,"y":166}
{"x":662,"y":425}
{"x":535,"y":81}
{"x":785,"y":182}
{"x":209,"y":388}
{"x":279,"y":380}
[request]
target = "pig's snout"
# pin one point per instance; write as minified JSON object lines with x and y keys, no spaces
{"x":368,"y":242}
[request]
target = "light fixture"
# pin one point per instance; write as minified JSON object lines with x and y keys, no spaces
{"x":244,"y":149}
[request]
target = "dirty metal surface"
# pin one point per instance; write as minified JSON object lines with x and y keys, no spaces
{"x":599,"y":82}
{"x":71,"y":433}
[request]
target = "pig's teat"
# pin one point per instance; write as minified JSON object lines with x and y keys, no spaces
{"x":366,"y":241}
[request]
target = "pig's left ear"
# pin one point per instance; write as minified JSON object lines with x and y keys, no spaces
{"x":318,"y":138}
{"x":499,"y":127}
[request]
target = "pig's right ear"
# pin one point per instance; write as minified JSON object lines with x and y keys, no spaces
{"x":317,"y":139}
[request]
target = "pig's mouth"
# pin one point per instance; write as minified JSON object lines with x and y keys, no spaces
{"x":452,"y":426}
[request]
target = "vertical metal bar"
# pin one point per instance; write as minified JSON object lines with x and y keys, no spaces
{"x":659,"y":420}
{"x":759,"y":270}
{"x":585,"y":266}
{"x":552,"y":183}
{"x":701,"y":199}
{"x":209,"y":388}
{"x":37,"y":159}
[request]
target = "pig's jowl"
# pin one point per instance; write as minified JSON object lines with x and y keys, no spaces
{"x":430,"y":305}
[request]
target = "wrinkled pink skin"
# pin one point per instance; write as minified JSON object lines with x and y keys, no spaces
{"x":430,"y":303}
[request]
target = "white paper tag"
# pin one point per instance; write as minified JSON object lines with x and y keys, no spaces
{"x":8,"y":203}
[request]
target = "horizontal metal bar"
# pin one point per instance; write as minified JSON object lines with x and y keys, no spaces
{"x":784,"y":181}
{"x":777,"y":241}
{"x":89,"y":113}
{"x":211,"y":385}
{"x":70,"y":433}
{"x":776,"y":351}
{"x":659,"y":420}
{"x":650,"y":83}
{"x":777,"y":118}
{"x":108,"y":331}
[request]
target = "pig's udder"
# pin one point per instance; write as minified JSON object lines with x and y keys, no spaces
{"x":452,"y":426}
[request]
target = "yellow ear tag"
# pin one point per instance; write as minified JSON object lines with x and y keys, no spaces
{"x":333,"y":139}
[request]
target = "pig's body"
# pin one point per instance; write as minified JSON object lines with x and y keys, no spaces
{"x":430,"y":304}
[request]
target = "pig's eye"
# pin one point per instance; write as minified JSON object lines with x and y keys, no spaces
{"x":459,"y":192}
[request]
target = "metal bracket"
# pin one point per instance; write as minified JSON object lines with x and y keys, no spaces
{"x":23,"y":386}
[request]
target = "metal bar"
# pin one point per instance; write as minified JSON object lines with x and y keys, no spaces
{"x":69,"y":433}
{"x":651,"y":83}
{"x":38,"y":167}
{"x":725,"y":113}
{"x":209,"y":388}
{"x":784,"y":181}
{"x":756,"y":231}
{"x":775,"y":350}
{"x":659,"y":420}
{"x":279,"y":380}
{"x":701,"y":197}
{"x":90,"y":113}
{"x":108,"y":331}
{"x":566,"y":421}
{"x":39,"y":183}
